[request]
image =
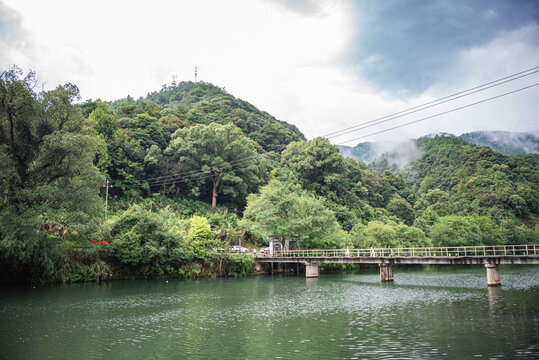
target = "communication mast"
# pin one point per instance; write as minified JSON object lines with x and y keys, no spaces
{"x":174,"y":77}
{"x":196,"y":73}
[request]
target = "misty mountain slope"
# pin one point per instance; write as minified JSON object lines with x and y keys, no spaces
{"x":472,"y":178}
{"x":364,"y":152}
{"x":504,"y":141}
{"x":501,"y":141}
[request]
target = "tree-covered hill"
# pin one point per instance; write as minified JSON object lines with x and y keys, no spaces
{"x":455,"y":178}
{"x":489,"y":180}
{"x":204,"y":103}
{"x":138,"y":135}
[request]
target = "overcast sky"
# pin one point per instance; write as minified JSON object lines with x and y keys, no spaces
{"x":321,"y":65}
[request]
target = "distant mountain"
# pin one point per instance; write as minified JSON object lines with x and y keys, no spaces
{"x":501,"y":141}
{"x":504,"y":141}
{"x":395,"y":154}
{"x":364,"y":152}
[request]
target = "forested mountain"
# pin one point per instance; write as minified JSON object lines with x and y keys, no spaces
{"x":456,"y":178}
{"x":203,"y":103}
{"x":192,"y":170}
{"x":138,"y":132}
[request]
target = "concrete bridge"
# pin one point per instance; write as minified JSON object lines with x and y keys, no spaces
{"x":489,"y":256}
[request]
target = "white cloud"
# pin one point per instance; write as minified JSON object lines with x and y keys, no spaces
{"x":288,"y":62}
{"x":507,"y":54}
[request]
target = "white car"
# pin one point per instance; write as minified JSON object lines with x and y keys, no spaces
{"x":238,"y":249}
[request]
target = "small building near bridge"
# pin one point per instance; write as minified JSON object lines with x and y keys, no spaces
{"x":276,"y":246}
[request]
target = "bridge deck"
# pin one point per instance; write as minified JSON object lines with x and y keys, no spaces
{"x":441,"y":260}
{"x":504,"y":254}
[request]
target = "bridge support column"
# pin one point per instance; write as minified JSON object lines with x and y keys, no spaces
{"x":312,"y":270}
{"x":386,"y":272}
{"x":258,"y":267}
{"x":493,"y":275}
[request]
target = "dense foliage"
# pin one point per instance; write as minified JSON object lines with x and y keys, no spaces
{"x":217,"y":157}
{"x":284,"y":211}
{"x":49,"y":185}
{"x":193,"y":170}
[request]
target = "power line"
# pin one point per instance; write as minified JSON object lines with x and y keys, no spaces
{"x":358,"y":127}
{"x":197,"y":172}
{"x":433,"y":103}
{"x":442,"y":113}
{"x":208,"y":176}
{"x":164,"y":178}
{"x":194,"y":175}
{"x":193,"y":172}
{"x":200,"y":176}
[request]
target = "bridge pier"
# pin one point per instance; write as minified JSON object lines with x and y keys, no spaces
{"x":493,"y":275}
{"x":386,"y":272}
{"x":312,"y":270}
{"x":258,"y":267}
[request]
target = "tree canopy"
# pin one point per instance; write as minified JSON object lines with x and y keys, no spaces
{"x":48,"y":177}
{"x":284,"y":211}
{"x":216,"y":154}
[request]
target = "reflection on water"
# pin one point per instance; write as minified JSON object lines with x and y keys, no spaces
{"x":495,"y":300}
{"x":428,"y":313}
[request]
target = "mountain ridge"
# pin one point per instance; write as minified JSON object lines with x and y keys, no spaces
{"x":504,"y":142}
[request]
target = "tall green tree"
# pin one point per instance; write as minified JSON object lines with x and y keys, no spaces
{"x":284,"y":211}
{"x":48,"y":153}
{"x":317,"y":163}
{"x":145,"y":129}
{"x":453,"y":230}
{"x":123,"y":161}
{"x":49,"y":180}
{"x":401,"y":209}
{"x":218,"y":155}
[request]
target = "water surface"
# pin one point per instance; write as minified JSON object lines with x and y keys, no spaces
{"x":429,"y":312}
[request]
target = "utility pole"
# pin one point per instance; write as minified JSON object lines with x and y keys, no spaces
{"x":107,"y":198}
{"x":196,"y":73}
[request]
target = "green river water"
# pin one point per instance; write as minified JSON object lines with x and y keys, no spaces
{"x":427,"y":313}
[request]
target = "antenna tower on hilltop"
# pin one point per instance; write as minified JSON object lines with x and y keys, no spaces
{"x":196,"y":73}
{"x":174,"y":77}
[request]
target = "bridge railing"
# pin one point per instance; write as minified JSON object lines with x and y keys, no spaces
{"x":495,"y":250}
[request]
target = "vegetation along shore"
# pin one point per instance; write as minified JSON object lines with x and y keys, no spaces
{"x":164,"y":185}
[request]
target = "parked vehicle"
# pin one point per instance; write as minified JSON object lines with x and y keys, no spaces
{"x":238,"y":249}
{"x":265,"y":250}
